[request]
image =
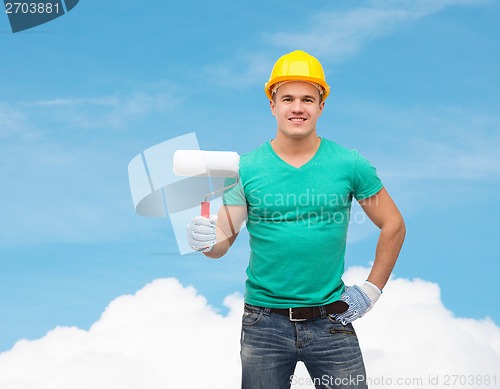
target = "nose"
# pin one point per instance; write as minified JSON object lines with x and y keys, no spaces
{"x":297,"y":106}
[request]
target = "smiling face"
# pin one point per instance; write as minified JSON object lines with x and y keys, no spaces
{"x":297,"y":106}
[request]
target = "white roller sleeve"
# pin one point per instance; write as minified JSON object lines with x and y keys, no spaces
{"x":158,"y":192}
{"x":189,"y":163}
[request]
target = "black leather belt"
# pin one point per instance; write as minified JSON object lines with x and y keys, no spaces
{"x":305,"y":313}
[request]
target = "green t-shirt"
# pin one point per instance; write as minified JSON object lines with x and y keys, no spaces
{"x":297,"y":222}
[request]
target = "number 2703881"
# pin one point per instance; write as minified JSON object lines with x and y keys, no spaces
{"x":31,"y":8}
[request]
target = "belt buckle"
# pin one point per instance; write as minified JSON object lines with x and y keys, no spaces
{"x":290,"y":315}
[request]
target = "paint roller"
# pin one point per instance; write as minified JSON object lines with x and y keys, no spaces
{"x":202,"y":163}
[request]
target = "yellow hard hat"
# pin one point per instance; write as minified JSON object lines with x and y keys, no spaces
{"x":297,"y":66}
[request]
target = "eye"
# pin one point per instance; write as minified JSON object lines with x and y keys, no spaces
{"x":307,"y":100}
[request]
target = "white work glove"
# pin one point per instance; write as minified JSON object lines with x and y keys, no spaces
{"x":200,"y":233}
{"x":360,"y":299}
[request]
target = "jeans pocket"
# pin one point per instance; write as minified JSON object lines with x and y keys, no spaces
{"x":336,"y":327}
{"x":251,"y":315}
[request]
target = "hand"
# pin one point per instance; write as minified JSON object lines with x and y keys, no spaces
{"x":201,"y":234}
{"x":360,"y":299}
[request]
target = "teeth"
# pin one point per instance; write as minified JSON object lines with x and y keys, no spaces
{"x":297,"y":119}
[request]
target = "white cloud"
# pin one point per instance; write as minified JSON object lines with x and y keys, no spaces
{"x":442,"y":142}
{"x":15,"y":124}
{"x":410,"y":334}
{"x":56,"y":191}
{"x":166,"y":335}
{"x":423,"y":6}
{"x":332,"y":35}
{"x":113,"y":111}
{"x":163,"y":336}
{"x":241,"y":72}
{"x":61,"y":179}
{"x":336,"y":35}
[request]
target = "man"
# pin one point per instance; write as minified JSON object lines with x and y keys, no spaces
{"x":295,"y":195}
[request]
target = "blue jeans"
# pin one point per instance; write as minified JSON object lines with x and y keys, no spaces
{"x":271,"y":346}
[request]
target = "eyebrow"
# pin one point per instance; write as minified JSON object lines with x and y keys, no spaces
{"x":302,"y":97}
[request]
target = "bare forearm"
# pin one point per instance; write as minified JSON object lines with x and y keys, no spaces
{"x":221,"y":247}
{"x":224,"y":241}
{"x":388,"y":247}
{"x":230,"y":220}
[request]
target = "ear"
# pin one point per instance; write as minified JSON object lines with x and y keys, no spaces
{"x":321,"y":106}
{"x":272,"y":105}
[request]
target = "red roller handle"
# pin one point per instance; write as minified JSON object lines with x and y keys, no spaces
{"x":205,"y":209}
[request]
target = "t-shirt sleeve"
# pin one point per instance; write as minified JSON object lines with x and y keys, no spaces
{"x":366,"y":182}
{"x":234,"y":195}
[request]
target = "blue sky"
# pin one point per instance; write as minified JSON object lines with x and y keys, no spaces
{"x":414,"y":88}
